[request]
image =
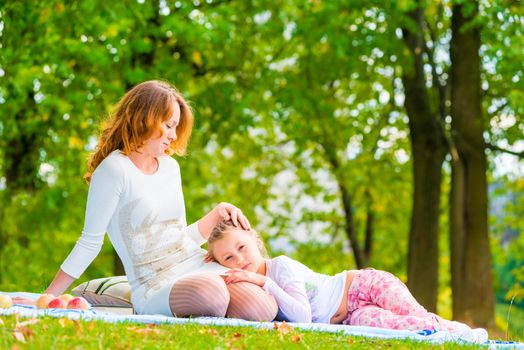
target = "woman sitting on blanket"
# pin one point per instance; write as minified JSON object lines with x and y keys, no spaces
{"x":364,"y":297}
{"x":135,"y":195}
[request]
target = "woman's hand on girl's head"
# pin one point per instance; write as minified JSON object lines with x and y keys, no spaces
{"x":239,"y":275}
{"x":227,"y":211}
{"x":222,"y":212}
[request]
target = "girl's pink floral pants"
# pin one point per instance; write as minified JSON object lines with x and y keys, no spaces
{"x":379,"y":299}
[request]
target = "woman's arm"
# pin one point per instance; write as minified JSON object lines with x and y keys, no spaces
{"x":222,"y":212}
{"x":58,"y":286}
{"x":103,"y":196}
{"x":60,"y":283}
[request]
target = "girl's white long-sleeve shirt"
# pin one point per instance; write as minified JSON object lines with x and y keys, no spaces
{"x":303,"y":295}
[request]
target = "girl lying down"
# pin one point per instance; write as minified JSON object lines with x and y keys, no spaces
{"x":366,"y":297}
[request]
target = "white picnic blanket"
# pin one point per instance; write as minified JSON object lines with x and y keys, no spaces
{"x":437,"y":337}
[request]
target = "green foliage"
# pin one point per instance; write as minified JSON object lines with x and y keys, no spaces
{"x":509,"y":254}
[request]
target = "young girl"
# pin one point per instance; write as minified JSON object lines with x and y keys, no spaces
{"x":365,"y":297}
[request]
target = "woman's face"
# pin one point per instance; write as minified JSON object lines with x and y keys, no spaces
{"x":157,"y":145}
{"x":238,"y":249}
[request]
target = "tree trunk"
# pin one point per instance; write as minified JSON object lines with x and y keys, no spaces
{"x":370,"y":227}
{"x":21,"y":151}
{"x":360,"y":258}
{"x":429,"y":149}
{"x":361,"y":261}
{"x":118,"y":267}
{"x":473,"y":299}
{"x":20,"y":165}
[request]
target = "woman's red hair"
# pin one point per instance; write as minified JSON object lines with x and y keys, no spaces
{"x":137,"y":116}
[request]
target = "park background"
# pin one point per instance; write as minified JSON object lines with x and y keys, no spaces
{"x":351,"y":133}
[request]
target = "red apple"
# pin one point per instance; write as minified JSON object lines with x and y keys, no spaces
{"x":57,"y":303}
{"x":44,"y":300}
{"x":78,"y":303}
{"x":5,"y":302}
{"x":66,"y":297}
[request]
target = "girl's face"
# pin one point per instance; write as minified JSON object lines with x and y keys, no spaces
{"x":238,"y":249}
{"x":157,"y":145}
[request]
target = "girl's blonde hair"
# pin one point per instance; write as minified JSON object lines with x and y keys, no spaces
{"x":137,"y":116}
{"x":223,"y":228}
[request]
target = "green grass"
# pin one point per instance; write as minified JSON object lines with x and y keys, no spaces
{"x":512,"y":316}
{"x":54,"y":333}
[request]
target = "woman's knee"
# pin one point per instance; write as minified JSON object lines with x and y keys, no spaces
{"x":199,"y":295}
{"x":250,"y":302}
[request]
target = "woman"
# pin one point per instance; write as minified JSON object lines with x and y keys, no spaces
{"x":135,"y":195}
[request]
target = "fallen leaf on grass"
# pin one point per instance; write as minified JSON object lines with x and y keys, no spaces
{"x":296,"y":338}
{"x":91,"y":326}
{"x":282,"y":328}
{"x":19,"y":336}
{"x":14,"y":347}
{"x":28,"y":322}
{"x":146,"y":330}
{"x":64,"y":322}
{"x":211,"y":331}
{"x":78,"y":326}
{"x":22,"y":333}
{"x":28,"y":332}
{"x":231,"y":347}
